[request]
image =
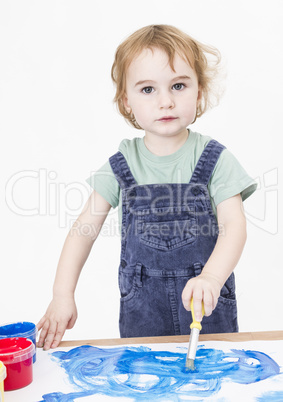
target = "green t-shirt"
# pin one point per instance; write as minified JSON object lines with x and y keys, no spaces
{"x":228,"y":178}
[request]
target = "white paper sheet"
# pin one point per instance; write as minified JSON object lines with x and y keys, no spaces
{"x":225,"y":371}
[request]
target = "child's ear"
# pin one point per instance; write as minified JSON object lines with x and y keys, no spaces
{"x":126,"y":104}
{"x":199,"y":95}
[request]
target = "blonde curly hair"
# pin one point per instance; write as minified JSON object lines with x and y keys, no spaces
{"x":170,"y":40}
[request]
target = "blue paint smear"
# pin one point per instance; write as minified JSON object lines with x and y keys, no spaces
{"x":143,"y":374}
{"x":276,"y":396}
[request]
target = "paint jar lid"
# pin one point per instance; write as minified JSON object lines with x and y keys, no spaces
{"x":14,"y":350}
{"x":22,"y":329}
{"x":3,"y":372}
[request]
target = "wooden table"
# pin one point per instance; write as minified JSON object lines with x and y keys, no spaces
{"x":234,"y":337}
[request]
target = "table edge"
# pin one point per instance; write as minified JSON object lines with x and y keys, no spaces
{"x":229,"y":337}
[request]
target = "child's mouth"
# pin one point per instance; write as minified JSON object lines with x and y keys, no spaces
{"x":167,"y":118}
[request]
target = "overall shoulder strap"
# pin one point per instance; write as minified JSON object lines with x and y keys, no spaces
{"x":207,"y":162}
{"x":122,"y":171}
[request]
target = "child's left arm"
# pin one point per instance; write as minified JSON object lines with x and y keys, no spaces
{"x":228,"y":249}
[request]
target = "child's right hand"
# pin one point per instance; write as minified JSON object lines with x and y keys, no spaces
{"x":60,"y":315}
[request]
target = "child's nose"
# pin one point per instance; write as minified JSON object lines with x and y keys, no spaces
{"x":166,"y":101}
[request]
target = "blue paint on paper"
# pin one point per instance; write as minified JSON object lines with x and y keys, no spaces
{"x":143,"y":374}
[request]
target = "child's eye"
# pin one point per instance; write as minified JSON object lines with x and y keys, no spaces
{"x":147,"y":90}
{"x":178,"y":86}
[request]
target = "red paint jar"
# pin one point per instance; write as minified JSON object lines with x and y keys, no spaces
{"x":17,"y":354}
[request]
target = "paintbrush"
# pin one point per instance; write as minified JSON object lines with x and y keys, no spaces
{"x":193,"y":343}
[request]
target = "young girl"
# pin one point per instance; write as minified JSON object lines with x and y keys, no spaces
{"x":180,"y":195}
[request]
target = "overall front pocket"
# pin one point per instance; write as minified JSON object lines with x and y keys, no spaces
{"x":167,"y":228}
{"x":129,"y":281}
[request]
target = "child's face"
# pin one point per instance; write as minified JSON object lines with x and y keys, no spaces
{"x":163,"y":102}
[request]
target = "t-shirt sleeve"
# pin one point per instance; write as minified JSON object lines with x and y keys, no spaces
{"x":230,"y":178}
{"x":104,"y":182}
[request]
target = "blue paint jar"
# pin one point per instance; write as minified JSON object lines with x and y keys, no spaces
{"x":21,"y":329}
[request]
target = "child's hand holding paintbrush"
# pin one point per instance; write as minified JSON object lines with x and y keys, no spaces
{"x":200,"y":296}
{"x":205,"y":290}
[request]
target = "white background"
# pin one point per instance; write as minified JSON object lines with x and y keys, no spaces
{"x":58,"y":124}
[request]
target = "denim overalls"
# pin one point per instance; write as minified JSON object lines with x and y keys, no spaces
{"x":168,"y":233}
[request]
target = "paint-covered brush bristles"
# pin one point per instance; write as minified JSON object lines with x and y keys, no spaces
{"x":190,"y":365}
